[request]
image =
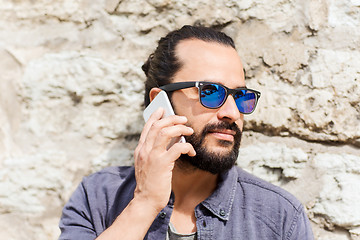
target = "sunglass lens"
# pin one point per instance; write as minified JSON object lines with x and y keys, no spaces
{"x":245,"y":101}
{"x":212,"y":95}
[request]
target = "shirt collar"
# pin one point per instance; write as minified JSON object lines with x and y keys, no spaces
{"x":221,"y":201}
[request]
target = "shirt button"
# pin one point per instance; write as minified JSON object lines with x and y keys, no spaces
{"x":204,"y":223}
{"x":162,"y":215}
{"x":222,"y":213}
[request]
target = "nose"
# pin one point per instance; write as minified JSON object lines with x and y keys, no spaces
{"x":229,"y":111}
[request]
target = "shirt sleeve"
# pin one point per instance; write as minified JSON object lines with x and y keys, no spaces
{"x":300,"y":228}
{"x":76,"y":222}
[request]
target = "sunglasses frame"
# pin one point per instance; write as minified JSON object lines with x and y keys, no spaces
{"x":199,"y":84}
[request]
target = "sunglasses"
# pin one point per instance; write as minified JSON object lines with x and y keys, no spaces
{"x":213,"y":95}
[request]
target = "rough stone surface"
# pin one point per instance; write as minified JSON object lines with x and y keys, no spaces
{"x":72,"y":89}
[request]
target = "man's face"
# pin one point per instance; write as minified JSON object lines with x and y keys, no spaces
{"x":217,"y":132}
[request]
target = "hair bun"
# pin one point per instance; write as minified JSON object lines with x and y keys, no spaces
{"x":146,"y":66}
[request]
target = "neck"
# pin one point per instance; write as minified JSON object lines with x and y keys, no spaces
{"x":191,"y":185}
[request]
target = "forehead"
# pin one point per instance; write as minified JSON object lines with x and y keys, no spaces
{"x":209,"y":61}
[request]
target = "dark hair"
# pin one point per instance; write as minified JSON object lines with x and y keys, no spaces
{"x":162,"y":65}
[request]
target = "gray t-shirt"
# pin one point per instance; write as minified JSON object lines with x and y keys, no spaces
{"x":174,"y":235}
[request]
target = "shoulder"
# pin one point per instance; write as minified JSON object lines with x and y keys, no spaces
{"x":109,"y":180}
{"x":259,"y":190}
{"x":110,"y":174}
{"x":105,"y":188}
{"x":271,"y":207}
{"x":121,"y":171}
{"x":92,"y":205}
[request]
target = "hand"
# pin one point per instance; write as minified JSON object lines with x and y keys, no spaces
{"x":154,"y":163}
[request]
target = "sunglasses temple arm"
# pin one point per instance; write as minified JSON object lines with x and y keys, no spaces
{"x":177,"y":86}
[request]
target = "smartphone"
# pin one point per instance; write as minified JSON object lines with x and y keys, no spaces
{"x":162,"y":100}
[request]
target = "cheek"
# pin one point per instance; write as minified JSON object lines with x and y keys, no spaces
{"x":182,"y":105}
{"x":194,"y":124}
{"x":240,"y":122}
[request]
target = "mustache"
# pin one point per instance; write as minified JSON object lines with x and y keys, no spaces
{"x":221,"y":126}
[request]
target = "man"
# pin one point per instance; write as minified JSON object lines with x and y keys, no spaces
{"x":190,"y":190}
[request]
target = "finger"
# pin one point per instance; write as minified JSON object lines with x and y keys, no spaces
{"x":155,"y":116}
{"x":181,"y":148}
{"x":166,"y":134}
{"x":158,"y":125}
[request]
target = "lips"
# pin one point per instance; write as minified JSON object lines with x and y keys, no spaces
{"x":224,"y":131}
{"x":223,"y":134}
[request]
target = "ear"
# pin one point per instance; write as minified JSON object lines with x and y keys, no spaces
{"x":153,"y":92}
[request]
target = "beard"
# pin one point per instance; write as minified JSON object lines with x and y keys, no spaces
{"x":205,"y":159}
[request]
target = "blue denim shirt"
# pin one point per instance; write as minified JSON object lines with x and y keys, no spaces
{"x":242,"y":207}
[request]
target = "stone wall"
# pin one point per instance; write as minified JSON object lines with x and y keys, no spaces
{"x":71,"y":90}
